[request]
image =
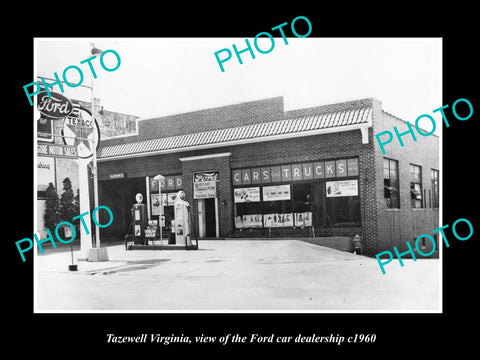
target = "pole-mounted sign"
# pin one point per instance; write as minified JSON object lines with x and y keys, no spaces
{"x":54,"y":107}
{"x":81,"y":130}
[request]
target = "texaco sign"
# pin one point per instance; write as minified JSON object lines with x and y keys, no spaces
{"x":80,"y":129}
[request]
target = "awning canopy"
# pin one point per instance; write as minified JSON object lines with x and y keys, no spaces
{"x":295,"y":127}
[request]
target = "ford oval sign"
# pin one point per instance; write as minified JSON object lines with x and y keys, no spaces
{"x":55,"y":106}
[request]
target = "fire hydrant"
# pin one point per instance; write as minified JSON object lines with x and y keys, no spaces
{"x":357,"y":244}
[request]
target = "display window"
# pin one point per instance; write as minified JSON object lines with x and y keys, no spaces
{"x":303,"y":202}
{"x":248,"y":208}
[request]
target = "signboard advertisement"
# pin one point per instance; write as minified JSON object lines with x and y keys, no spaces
{"x":296,"y":172}
{"x":54,"y":106}
{"x":342,"y":188}
{"x":205,"y":185}
{"x":303,"y":219}
{"x":278,"y":220}
{"x":242,"y":195}
{"x":156,"y":203}
{"x":81,"y":131}
{"x":57,"y":150}
{"x":275,"y":193}
{"x":248,"y":221}
{"x":45,"y":172}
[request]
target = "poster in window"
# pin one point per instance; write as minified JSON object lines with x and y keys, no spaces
{"x":242,"y":195}
{"x":156,"y":203}
{"x":171,"y":197}
{"x":275,"y":193}
{"x":342,"y":188}
{"x":248,"y":221}
{"x":287,"y":219}
{"x":307,"y":216}
{"x":268,"y":220}
{"x":252,"y":220}
{"x":303,"y":219}
{"x":278,"y":220}
{"x":238,"y":222}
{"x":204,"y":189}
{"x":299,"y":220}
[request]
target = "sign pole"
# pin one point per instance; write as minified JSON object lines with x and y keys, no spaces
{"x":85,"y":237}
{"x":161,"y":213}
{"x":95,"y":177}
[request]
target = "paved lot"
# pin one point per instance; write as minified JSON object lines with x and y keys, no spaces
{"x":235,"y":275}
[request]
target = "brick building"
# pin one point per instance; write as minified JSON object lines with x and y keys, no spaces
{"x":253,"y":170}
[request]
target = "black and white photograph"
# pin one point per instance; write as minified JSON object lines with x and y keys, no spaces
{"x":293,"y":182}
{"x":298,"y":192}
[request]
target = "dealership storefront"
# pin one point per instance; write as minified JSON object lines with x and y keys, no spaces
{"x":286,"y":195}
{"x":252,"y":170}
{"x":301,"y":196}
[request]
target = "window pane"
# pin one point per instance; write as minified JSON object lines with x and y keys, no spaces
{"x":248,"y":208}
{"x":344,"y":210}
{"x":318,"y":206}
{"x":390,"y":175}
{"x":393,"y":173}
{"x":302,"y":199}
{"x":248,"y":215}
{"x":395,"y":201}
{"x":277,"y":213}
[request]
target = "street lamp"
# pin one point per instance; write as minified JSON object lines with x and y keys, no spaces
{"x":95,"y":51}
{"x":160,"y":178}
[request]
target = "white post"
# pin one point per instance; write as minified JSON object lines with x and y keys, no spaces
{"x":94,"y":171}
{"x":161,"y":213}
{"x":147,"y":186}
{"x":85,"y":238}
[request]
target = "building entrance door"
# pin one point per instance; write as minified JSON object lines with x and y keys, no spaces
{"x":207,"y":218}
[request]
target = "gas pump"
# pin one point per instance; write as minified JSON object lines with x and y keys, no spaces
{"x":139,"y":220}
{"x":183,"y":222}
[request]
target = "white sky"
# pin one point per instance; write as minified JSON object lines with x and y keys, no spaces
{"x":162,"y":76}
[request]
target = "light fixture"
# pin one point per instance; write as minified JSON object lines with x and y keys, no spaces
{"x":96,"y":51}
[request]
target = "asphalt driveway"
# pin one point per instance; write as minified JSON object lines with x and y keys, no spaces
{"x":235,"y":276}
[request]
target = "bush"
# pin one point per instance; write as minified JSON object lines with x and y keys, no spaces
{"x":52,"y":208}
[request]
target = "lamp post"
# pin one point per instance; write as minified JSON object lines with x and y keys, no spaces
{"x":95,"y":51}
{"x":160,"y":178}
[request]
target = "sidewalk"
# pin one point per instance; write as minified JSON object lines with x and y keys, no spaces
{"x":231,"y":275}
